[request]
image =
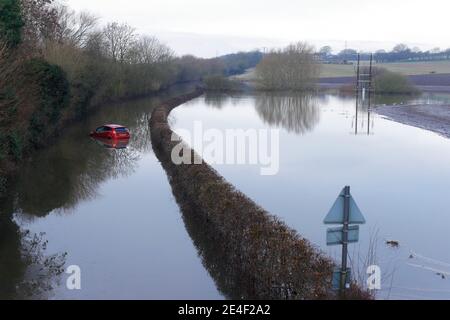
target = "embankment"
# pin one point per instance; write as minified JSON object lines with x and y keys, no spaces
{"x":250,"y":253}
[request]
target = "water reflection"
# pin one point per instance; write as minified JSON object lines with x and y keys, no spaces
{"x":73,"y":172}
{"x":59,"y":178}
{"x":426,"y":98}
{"x":294,"y":112}
{"x":112,"y":143}
{"x":250,"y":256}
{"x":363,"y":122}
{"x":218,"y":100}
{"x":26,"y":271}
{"x":76,"y":166}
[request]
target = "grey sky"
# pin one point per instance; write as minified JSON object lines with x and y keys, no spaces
{"x":209,"y":27}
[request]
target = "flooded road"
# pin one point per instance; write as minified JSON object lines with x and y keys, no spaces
{"x":399,"y":177}
{"x":112,"y":210}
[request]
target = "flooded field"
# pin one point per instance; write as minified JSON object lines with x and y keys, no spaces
{"x":112,"y":210}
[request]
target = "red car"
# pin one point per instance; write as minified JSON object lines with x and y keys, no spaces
{"x":111,"y":131}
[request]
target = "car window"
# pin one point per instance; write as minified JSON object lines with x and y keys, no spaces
{"x":103,"y":129}
{"x":122,"y":130}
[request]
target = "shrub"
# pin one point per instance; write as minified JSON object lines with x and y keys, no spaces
{"x":11,"y":22}
{"x":52,"y":95}
{"x":16,"y":145}
{"x":292,"y":68}
{"x":220,"y":83}
{"x":3,"y":182}
{"x":392,"y":83}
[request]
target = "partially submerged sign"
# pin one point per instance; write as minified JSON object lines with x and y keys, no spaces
{"x":345,"y":212}
{"x":336,"y":213}
{"x":335,"y":235}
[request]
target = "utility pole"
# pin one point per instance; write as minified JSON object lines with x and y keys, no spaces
{"x":358,"y":73}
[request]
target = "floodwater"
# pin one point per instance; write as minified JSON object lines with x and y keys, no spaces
{"x":112,"y":210}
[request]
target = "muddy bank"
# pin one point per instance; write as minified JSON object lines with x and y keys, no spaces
{"x":434,"y":118}
{"x":250,"y":253}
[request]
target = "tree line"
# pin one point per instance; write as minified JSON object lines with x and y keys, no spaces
{"x":57,"y":64}
{"x":401,"y":52}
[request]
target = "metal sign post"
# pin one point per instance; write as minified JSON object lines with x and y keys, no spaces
{"x":344,"y":211}
{"x":345,"y":237}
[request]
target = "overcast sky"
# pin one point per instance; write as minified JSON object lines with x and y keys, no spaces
{"x":210,"y":27}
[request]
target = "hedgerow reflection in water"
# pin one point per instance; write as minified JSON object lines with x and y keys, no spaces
{"x":56,"y":180}
{"x":26,"y":271}
{"x":78,"y":165}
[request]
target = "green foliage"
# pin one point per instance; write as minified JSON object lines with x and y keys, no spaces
{"x":238,"y":63}
{"x":11,"y":22}
{"x":393,"y":83}
{"x":53,"y":86}
{"x":3,"y":182}
{"x":84,"y":87}
{"x":16,"y":145}
{"x":220,"y":83}
{"x":8,"y":102}
{"x":190,"y":68}
{"x":53,"y":96}
{"x":75,"y":72}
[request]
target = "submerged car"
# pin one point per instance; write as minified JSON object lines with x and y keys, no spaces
{"x":111,"y":131}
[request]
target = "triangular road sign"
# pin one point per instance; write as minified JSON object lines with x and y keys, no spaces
{"x":336,"y":213}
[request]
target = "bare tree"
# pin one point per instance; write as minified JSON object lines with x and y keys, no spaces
{"x":41,"y":21}
{"x":149,"y":50}
{"x":96,"y":44}
{"x":401,"y":47}
{"x":325,"y":51}
{"x":75,"y":28}
{"x":291,"y":68}
{"x":119,"y":40}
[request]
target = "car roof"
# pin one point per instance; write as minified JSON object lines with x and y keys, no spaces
{"x":114,"y":126}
